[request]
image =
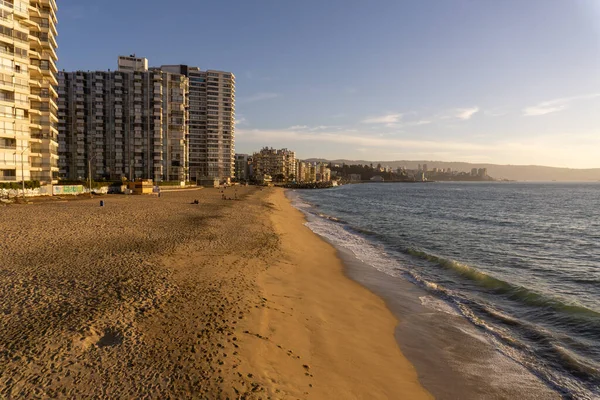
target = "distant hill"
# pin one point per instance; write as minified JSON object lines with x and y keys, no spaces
{"x":512,"y":172}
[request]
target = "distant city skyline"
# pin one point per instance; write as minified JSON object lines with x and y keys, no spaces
{"x":507,"y":82}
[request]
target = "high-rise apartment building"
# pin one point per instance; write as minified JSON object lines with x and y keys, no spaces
{"x":269,"y":161}
{"x":312,"y":172}
{"x":129,"y":123}
{"x":211,"y":122}
{"x":323,"y":173}
{"x":242,"y":167}
{"x":28,"y":130}
{"x":302,"y":171}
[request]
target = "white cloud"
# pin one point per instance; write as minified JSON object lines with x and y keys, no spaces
{"x":556,"y":149}
{"x":302,"y":135}
{"x":419,"y":123}
{"x":383,"y":119}
{"x":466,"y":113}
{"x":555,"y":105}
{"x":241,"y":120}
{"x":544,"y":108}
{"x":297,"y":127}
{"x":311,"y":128}
{"x":258,"y":97}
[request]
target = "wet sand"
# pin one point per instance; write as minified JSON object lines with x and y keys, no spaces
{"x":454,"y":359}
{"x":159,"y":298}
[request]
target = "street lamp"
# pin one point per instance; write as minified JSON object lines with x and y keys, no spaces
{"x":91,"y":158}
{"x":23,"y":167}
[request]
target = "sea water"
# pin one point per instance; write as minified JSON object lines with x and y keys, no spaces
{"x":520,"y":261}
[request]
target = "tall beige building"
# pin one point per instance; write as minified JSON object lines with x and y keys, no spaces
{"x":28,"y":100}
{"x":308,"y":172}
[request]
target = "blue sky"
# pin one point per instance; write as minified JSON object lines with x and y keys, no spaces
{"x":509,"y":82}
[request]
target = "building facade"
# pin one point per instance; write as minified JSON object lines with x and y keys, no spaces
{"x":276,"y":163}
{"x":242,"y":167}
{"x":132,"y":63}
{"x":312,"y":172}
{"x":211,"y":122}
{"x":323,"y":173}
{"x":28,"y":100}
{"x":130,"y":123}
{"x":301,"y":171}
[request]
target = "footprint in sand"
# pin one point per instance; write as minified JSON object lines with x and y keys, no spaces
{"x":108,"y":337}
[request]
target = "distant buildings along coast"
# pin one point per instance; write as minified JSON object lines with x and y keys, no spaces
{"x":271,"y":165}
{"x":279,"y":165}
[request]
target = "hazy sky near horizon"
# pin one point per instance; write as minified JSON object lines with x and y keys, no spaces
{"x":509,"y":82}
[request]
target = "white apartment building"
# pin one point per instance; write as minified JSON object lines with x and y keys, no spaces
{"x":28,"y":120}
{"x":129,"y":123}
{"x":211,"y":122}
{"x":132,"y":64}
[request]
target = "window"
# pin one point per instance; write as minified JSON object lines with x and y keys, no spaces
{"x":21,"y":52}
{"x":7,"y":111}
{"x":23,"y":36}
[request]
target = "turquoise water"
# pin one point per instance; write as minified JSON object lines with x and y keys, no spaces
{"x":519,"y":260}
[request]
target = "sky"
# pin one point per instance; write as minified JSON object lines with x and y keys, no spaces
{"x":484,"y":81}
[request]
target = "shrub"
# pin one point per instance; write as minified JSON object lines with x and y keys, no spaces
{"x":19,"y":185}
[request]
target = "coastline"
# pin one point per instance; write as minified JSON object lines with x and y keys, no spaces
{"x":453,"y":358}
{"x":333,"y":330}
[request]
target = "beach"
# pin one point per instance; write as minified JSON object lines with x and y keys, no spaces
{"x":152,"y":297}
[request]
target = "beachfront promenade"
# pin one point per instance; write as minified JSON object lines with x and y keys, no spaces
{"x":152,"y":297}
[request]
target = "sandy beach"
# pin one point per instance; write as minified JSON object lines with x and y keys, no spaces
{"x":160,"y":298}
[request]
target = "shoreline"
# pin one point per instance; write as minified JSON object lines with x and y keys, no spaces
{"x":341,"y":333}
{"x":453,"y":358}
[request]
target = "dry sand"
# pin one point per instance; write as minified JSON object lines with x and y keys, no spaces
{"x":159,"y":298}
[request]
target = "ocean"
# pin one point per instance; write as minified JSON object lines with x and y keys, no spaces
{"x":519,"y":261}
